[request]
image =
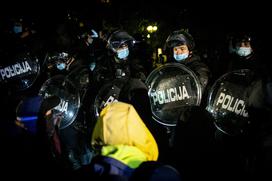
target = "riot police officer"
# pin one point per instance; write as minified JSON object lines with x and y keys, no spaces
{"x":191,"y":136}
{"x":181,"y":45}
{"x":118,"y":77}
{"x":242,"y":53}
{"x":249,"y":140}
{"x":117,"y":63}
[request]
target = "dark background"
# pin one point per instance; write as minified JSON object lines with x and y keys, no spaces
{"x":209,"y":22}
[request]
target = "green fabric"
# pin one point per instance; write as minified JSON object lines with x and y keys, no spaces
{"x":120,"y":124}
{"x":129,"y":155}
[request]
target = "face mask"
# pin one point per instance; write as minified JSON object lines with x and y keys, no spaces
{"x":92,"y":66}
{"x":17,"y":29}
{"x":180,"y":57}
{"x":123,"y":53}
{"x":243,"y":51}
{"x":90,"y":41}
{"x":61,"y":66}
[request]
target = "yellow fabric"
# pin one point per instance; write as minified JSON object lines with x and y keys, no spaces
{"x":129,"y":155}
{"x":120,"y":124}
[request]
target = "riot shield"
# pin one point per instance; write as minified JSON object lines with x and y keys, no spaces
{"x":62,"y":87}
{"x":171,"y":88}
{"x":228,"y":100}
{"x":108,"y":93}
{"x":21,"y":74}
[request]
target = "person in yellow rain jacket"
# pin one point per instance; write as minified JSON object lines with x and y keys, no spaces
{"x":123,"y":141}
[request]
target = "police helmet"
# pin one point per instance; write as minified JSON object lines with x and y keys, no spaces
{"x":241,"y":37}
{"x":118,"y":38}
{"x":180,"y":37}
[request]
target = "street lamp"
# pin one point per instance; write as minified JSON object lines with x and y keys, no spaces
{"x":151,"y":28}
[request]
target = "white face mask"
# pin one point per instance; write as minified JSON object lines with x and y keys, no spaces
{"x":243,"y":51}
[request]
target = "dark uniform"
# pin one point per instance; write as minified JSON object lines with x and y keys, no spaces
{"x":118,"y":65}
{"x":242,"y":152}
{"x":192,"y":60}
{"x":192,"y":140}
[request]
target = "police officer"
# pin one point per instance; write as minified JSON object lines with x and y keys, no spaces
{"x":242,"y":53}
{"x":181,"y":45}
{"x":191,"y":137}
{"x":118,"y":65}
{"x":240,"y":150}
{"x":118,"y":62}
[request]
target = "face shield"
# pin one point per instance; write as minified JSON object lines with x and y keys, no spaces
{"x":118,"y":39}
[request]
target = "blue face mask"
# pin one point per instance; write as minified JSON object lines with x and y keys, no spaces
{"x":243,"y":51}
{"x":17,"y":29}
{"x":61,"y":66}
{"x":92,"y":66}
{"x":123,"y":53}
{"x":180,"y":57}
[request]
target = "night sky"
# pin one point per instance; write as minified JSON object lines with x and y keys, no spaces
{"x":208,"y":22}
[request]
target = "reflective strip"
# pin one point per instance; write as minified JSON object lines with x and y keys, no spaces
{"x":29,"y":118}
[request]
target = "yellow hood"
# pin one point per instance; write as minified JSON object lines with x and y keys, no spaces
{"x":120,"y":124}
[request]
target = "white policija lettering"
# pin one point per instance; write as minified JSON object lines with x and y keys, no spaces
{"x":170,"y":95}
{"x":232,"y":104}
{"x":109,"y":100}
{"x":62,"y":107}
{"x":16,"y":69}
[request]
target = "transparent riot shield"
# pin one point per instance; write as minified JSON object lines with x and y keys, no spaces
{"x":172,"y":87}
{"x":228,"y":101}
{"x":108,"y":93}
{"x":21,"y":74}
{"x":62,"y":87}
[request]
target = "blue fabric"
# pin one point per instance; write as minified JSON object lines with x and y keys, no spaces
{"x":109,"y":166}
{"x":29,"y":107}
{"x":28,"y":111}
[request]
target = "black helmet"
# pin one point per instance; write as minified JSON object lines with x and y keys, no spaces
{"x":241,"y":37}
{"x":118,"y":38}
{"x":180,"y":38}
